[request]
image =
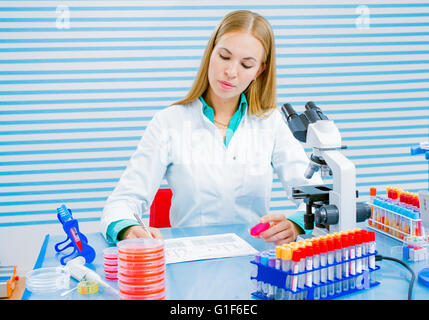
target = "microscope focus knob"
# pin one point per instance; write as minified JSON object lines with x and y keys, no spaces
{"x":327,"y":214}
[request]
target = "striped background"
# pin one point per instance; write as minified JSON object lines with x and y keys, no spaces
{"x":76,"y":94}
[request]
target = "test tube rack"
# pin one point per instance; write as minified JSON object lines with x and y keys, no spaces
{"x":277,"y":278}
{"x":395,"y":224}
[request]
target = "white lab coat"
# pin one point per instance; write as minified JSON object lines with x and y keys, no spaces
{"x":211,"y":184}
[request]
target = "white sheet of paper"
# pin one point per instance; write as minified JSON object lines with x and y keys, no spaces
{"x":206,"y":247}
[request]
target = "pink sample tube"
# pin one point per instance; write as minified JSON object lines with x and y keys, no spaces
{"x":260,"y":227}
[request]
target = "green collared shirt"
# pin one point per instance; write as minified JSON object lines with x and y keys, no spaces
{"x":235,"y":120}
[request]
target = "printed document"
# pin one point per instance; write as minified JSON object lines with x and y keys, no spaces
{"x":206,"y":247}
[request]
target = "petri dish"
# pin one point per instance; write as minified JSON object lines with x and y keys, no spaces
{"x":109,"y":262}
{"x":110,"y":275}
{"x":141,"y":271}
{"x":142,"y":256}
{"x":110,"y":268}
{"x":110,"y":253}
{"x":46,"y":280}
{"x":141,"y":281}
{"x":148,"y":289}
{"x":149,"y":264}
{"x":140,"y":246}
{"x":155,"y":296}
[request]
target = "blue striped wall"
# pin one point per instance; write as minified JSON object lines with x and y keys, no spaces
{"x":75,"y":101}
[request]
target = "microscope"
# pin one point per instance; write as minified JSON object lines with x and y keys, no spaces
{"x":328,"y":206}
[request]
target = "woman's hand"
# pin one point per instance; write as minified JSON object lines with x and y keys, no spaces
{"x":139,"y":232}
{"x":281,"y":231}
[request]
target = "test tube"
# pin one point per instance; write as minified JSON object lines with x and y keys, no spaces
{"x":278,"y":266}
{"x":364,"y":245}
{"x":378,"y":211}
{"x":309,"y":269}
{"x":352,"y":247}
{"x":359,"y":252}
{"x":65,"y":215}
{"x":331,"y":268}
{"x":296,"y":258}
{"x":264,"y":261}
{"x":323,"y":269}
{"x":338,"y":266}
{"x":372,"y":194}
{"x":371,"y":250}
{"x":301,"y":277}
{"x":258,"y":283}
{"x":316,"y":272}
{"x":271,"y":288}
{"x":286,"y":267}
{"x":346,"y":262}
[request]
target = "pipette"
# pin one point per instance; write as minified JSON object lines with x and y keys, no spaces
{"x":79,"y":272}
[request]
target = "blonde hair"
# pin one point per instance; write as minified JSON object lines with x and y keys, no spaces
{"x":261,"y":93}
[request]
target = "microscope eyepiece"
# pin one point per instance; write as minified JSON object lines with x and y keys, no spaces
{"x":311,"y":105}
{"x":288,"y":111}
{"x":295,"y":123}
{"x":313,"y":112}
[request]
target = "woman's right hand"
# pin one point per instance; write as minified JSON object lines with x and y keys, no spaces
{"x":134,"y":232}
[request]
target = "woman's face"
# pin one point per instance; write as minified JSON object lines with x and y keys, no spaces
{"x":236,"y":61}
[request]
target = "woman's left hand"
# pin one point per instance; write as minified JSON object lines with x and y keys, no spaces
{"x":281,"y":230}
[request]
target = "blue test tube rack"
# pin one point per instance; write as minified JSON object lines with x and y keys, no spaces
{"x":70,"y":227}
{"x":277,"y":278}
{"x":395,"y":219}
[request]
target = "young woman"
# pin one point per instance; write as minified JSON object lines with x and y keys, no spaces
{"x":218,"y":146}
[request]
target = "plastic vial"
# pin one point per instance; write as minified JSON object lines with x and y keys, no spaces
{"x":346,"y":263}
{"x":316,"y":272}
{"x":309,"y":269}
{"x":271,"y":288}
{"x":372,"y":194}
{"x":323,"y":269}
{"x":264,"y":261}
{"x":338,"y":266}
{"x":286,"y":267}
{"x":352,"y":244}
{"x":301,"y":277}
{"x":258,"y":283}
{"x":371,"y":251}
{"x":331,"y":268}
{"x":278,"y":266}
{"x":296,"y":258}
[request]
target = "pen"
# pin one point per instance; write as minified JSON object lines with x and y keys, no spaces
{"x":143,"y":224}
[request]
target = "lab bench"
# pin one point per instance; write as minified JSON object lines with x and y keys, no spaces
{"x":228,"y":278}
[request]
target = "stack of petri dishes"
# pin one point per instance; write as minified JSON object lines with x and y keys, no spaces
{"x":110,"y":257}
{"x":141,"y":269}
{"x":47,"y":280}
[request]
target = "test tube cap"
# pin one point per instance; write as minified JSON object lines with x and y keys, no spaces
{"x":316,"y":248}
{"x":297,"y":255}
{"x":286,"y":253}
{"x":278,"y":251}
{"x":338,"y":243}
{"x":345,"y":240}
{"x":323,"y":245}
{"x":331,"y":244}
{"x":309,"y":251}
{"x":373,"y":192}
{"x":264,"y":259}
